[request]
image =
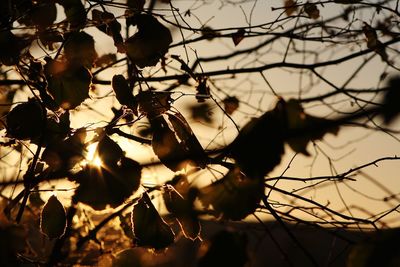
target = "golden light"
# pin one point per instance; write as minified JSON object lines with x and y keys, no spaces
{"x":91,"y":157}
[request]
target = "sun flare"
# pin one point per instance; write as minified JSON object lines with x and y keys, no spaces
{"x":91,"y":157}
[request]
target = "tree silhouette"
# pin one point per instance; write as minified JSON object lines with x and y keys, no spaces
{"x":170,"y":133}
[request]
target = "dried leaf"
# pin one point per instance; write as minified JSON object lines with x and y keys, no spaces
{"x":127,"y":257}
{"x":209,"y":33}
{"x":234,"y":196}
{"x":311,"y":10}
{"x":374,"y":43}
{"x":109,"y":152}
{"x":53,"y":220}
{"x":238,"y":36}
{"x":231,"y":104}
{"x":150,"y":43}
{"x":202,"y":90}
{"x":11,"y":47}
{"x":290,"y":7}
{"x":391,"y":99}
{"x":107,"y":23}
{"x":149,"y":229}
{"x":41,"y":15}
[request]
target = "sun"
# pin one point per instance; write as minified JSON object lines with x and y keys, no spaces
{"x":91,"y":156}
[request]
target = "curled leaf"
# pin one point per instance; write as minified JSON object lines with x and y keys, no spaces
{"x":53,"y":219}
{"x":234,"y":196}
{"x":75,"y":13}
{"x":150,"y":43}
{"x":108,"y":24}
{"x":149,"y":229}
{"x":175,"y":143}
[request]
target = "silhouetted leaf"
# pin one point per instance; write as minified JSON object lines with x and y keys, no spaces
{"x":123,"y":92}
{"x":202,"y":112}
{"x":109,"y":151}
{"x":107,"y":23}
{"x":391,"y":100}
{"x":57,"y":128}
{"x":147,"y":46}
{"x":178,"y":197}
{"x":11,"y":47}
{"x":136,"y":5}
{"x":149,"y":229}
{"x":153,"y":103}
{"x":41,"y":14}
{"x":53,"y":220}
{"x":373,"y":42}
{"x":166,"y":145}
{"x":75,"y":12}
{"x":25,"y":121}
{"x":311,"y":10}
{"x":234,"y":196}
{"x":209,"y":33}
{"x":290,"y":7}
{"x":203,"y":91}
{"x":49,"y":37}
{"x":305,"y":127}
{"x":260,"y":144}
{"x":238,"y":36}
{"x":69,"y":85}
{"x":226,"y":249}
{"x":110,"y":185}
{"x":62,"y":155}
{"x":79,"y":49}
{"x":231,"y":104}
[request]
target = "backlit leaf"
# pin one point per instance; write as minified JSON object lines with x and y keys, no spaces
{"x":127,"y":257}
{"x":123,"y":93}
{"x":178,"y":197}
{"x":391,"y":100}
{"x":11,"y":47}
{"x":41,"y":14}
{"x":234,"y":196}
{"x":25,"y":121}
{"x":147,"y":46}
{"x":153,"y":103}
{"x":62,"y":155}
{"x":111,"y":185}
{"x":107,"y":23}
{"x":79,"y":49}
{"x":75,"y":12}
{"x":109,"y":151}
{"x":69,"y":85}
{"x":149,"y":229}
{"x":260,"y":144}
{"x":53,"y":219}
